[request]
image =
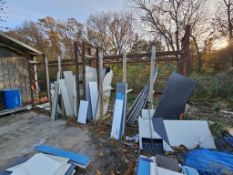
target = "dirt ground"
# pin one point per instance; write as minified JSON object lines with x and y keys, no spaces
{"x":19,"y":134}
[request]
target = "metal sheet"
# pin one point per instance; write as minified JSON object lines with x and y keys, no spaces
{"x":160,"y":128}
{"x":172,"y":102}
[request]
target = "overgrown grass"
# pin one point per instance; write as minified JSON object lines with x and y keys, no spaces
{"x":215,"y":89}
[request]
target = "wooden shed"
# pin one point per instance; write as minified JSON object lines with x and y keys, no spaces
{"x":14,"y":66}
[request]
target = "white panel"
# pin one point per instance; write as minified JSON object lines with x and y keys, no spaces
{"x":68,"y":109}
{"x":146,"y":130}
{"x":189,"y":133}
{"x":38,"y":165}
{"x":117,"y":119}
{"x":82,"y":114}
{"x":75,"y":99}
{"x":70,"y":84}
{"x":107,"y":89}
{"x":94,"y":96}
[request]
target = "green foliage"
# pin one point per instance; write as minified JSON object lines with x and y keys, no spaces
{"x":217,"y":89}
{"x":218,"y":130}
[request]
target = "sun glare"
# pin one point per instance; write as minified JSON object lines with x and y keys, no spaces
{"x":220,"y":44}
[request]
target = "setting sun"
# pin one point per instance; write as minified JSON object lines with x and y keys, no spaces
{"x":220,"y":44}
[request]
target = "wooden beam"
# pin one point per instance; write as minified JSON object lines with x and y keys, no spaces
{"x":48,"y":83}
{"x":101,"y":94}
{"x":30,"y":80}
{"x":152,"y":74}
{"x":84,"y":70}
{"x":77,"y":74}
{"x":124,"y":76}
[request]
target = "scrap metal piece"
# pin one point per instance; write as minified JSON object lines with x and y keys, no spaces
{"x":172,"y":102}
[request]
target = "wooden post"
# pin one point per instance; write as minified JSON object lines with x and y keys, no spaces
{"x":84,"y":71}
{"x":185,"y":61}
{"x":152,"y":74}
{"x":100,"y":72}
{"x":124,"y":78}
{"x":77,"y":73}
{"x":59,"y":64}
{"x":30,"y":81}
{"x":48,"y":83}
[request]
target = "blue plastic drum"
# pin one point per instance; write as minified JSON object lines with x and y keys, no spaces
{"x":11,"y":98}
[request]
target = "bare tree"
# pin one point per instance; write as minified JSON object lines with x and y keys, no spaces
{"x":224,"y":19}
{"x":167,"y":18}
{"x":111,"y":31}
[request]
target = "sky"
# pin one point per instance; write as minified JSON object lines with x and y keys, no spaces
{"x":20,"y":10}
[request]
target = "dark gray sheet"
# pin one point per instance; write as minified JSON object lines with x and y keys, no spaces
{"x":159,"y":127}
{"x":167,"y":163}
{"x":172,"y":102}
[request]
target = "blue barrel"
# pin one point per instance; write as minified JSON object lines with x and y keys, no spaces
{"x":11,"y":98}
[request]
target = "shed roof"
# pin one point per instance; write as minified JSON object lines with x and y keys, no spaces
{"x":17,"y":46}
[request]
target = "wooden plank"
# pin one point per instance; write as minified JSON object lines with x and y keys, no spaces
{"x":48,"y":83}
{"x":84,"y":71}
{"x":152,"y":74}
{"x":124,"y":78}
{"x":11,"y":111}
{"x":77,"y":73}
{"x":101,"y":97}
{"x":83,"y":109}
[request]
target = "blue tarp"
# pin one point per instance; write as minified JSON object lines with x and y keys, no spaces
{"x":209,"y":162}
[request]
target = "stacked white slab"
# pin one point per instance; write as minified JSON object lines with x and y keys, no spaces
{"x":82,"y":114}
{"x":146,"y":129}
{"x":42,"y":164}
{"x":70,"y":86}
{"x":65,"y":97}
{"x":190,"y":133}
{"x":119,"y":114}
{"x":93,"y":95}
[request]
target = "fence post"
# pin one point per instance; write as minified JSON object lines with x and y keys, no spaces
{"x":84,"y":70}
{"x":124,"y":78}
{"x":48,"y":83}
{"x":77,"y":74}
{"x":100,"y":73}
{"x":152,"y":74}
{"x":185,"y":61}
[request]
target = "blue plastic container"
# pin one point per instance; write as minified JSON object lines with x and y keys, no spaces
{"x":11,"y":98}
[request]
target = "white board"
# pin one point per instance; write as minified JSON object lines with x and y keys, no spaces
{"x":94,"y":96}
{"x":117,"y":119}
{"x":39,"y":164}
{"x":146,"y":130}
{"x":190,"y":133}
{"x":70,"y":85}
{"x":107,"y":89}
{"x":68,"y":109}
{"x":82,"y":114}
